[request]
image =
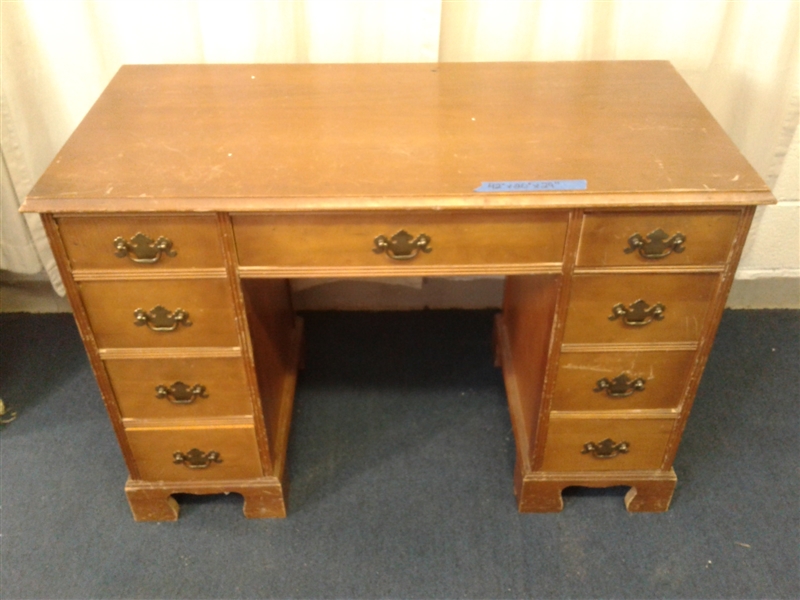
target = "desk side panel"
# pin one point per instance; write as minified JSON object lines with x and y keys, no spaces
{"x":275,"y":338}
{"x":89,"y":342}
{"x":709,"y":332}
{"x":528,"y":313}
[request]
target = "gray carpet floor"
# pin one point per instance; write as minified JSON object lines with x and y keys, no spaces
{"x":401,"y":461}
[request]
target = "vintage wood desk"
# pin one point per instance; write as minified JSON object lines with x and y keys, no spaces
{"x":189,"y":195}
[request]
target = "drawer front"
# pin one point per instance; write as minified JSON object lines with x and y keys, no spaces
{"x":112,"y":308}
{"x":180,"y":388}
{"x":169,"y":242}
{"x":621,"y":380}
{"x":567,"y":439}
{"x":685,"y":299}
{"x":654,"y":238}
{"x":154,"y":451}
{"x":348,"y":240}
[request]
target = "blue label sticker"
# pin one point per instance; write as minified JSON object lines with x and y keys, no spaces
{"x":555,"y":185}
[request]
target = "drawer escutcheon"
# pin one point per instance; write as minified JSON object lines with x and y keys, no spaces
{"x":658,"y":244}
{"x":605,"y":449}
{"x":196,"y":459}
{"x":161,"y":319}
{"x":638,"y":314}
{"x":621,"y":386}
{"x":181,"y":393}
{"x":402,"y":245}
{"x":142,"y":249}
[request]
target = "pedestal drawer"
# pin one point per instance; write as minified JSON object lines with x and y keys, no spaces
{"x":166,"y":242}
{"x":185,"y":388}
{"x":207,"y":304}
{"x":657,"y":238}
{"x":349,"y":240}
{"x":621,"y":380}
{"x":195,"y":453}
{"x":575,"y":444}
{"x":597,"y":301}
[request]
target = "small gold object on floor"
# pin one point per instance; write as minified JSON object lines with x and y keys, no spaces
{"x":6,"y":416}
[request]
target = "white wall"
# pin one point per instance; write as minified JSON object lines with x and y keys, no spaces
{"x":773,"y":250}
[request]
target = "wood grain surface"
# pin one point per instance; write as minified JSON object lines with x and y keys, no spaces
{"x":89,"y":242}
{"x":647,"y":440}
{"x":709,"y":236}
{"x":664,"y":373}
{"x":348,"y":239}
{"x":153,"y":449}
{"x":111,"y":306}
{"x":134,"y":383}
{"x":686,"y":298}
{"x":232,"y":137}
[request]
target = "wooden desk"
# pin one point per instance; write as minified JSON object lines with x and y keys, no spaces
{"x":189,"y":195}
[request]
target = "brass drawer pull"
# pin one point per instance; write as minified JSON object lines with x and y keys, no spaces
{"x":658,"y":244}
{"x":638,"y":314}
{"x":180,"y":393}
{"x":142,"y":249}
{"x":161,"y":319}
{"x":605,"y":449}
{"x":621,"y":386}
{"x":402,"y":245}
{"x":196,"y":459}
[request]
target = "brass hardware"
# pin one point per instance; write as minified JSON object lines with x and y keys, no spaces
{"x":6,"y":414}
{"x":402,"y":245}
{"x":142,"y":249}
{"x":161,"y":319}
{"x":180,"y":393}
{"x":620,"y":387}
{"x":658,"y":244}
{"x":638,"y":314}
{"x":605,"y":449}
{"x":196,"y":459}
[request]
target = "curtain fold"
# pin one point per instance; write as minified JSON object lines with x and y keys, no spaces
{"x":17,"y":249}
{"x":23,"y":243}
{"x":741,"y":58}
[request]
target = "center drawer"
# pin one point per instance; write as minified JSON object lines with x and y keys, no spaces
{"x":400,"y":239}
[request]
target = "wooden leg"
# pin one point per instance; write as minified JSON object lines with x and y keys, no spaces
{"x":650,"y":496}
{"x":263,"y":499}
{"x":152,"y":504}
{"x":541,"y":497}
{"x":539,"y":492}
{"x":534,"y":496}
{"x":264,"y":502}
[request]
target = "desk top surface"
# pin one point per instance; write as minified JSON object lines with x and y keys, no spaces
{"x":304,"y":137}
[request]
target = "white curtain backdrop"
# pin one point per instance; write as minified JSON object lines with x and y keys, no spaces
{"x":740,"y":57}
